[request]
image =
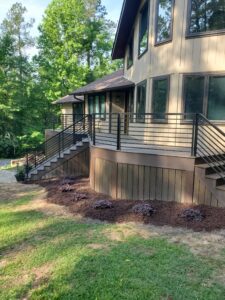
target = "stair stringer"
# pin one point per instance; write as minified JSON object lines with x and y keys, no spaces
{"x":43,"y":174}
{"x":205,"y":190}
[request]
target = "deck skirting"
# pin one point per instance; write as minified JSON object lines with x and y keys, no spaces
{"x":123,"y":175}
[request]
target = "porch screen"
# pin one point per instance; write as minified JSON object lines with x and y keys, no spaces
{"x":193,"y":94}
{"x":216,"y":98}
{"x":164,"y":21}
{"x":160,"y":97}
{"x":143,"y":30}
{"x":206,"y":15}
{"x":141,"y":101}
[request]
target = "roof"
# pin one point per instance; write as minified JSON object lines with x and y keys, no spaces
{"x":113,"y":81}
{"x":69,"y":99}
{"x":127,"y":19}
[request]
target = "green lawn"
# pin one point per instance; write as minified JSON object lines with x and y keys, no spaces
{"x":54,"y":257}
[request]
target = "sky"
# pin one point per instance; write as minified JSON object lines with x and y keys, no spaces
{"x":36,"y":9}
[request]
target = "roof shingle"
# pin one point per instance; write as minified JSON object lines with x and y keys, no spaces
{"x":113,"y":81}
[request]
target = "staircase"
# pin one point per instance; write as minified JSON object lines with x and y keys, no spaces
{"x":62,"y":147}
{"x":210,"y":164}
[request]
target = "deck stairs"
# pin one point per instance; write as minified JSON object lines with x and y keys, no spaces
{"x":56,"y":160}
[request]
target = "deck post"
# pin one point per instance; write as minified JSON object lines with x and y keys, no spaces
{"x":118,"y":132}
{"x":93,"y":138}
{"x":195,"y":135}
{"x":59,"y":145}
{"x":74,"y":132}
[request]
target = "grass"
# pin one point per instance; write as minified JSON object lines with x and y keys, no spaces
{"x":53,"y":257}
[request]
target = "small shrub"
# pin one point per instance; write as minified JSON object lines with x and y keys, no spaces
{"x":103,"y":204}
{"x":143,"y":209}
{"x":21,"y":174}
{"x":192,"y":214}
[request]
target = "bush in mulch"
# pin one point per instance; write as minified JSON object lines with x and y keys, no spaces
{"x":144,"y":209}
{"x":103,"y":204}
{"x":80,"y":197}
{"x":67,"y":181}
{"x":66,"y":188}
{"x":192,"y":214}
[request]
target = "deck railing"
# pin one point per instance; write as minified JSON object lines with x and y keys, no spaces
{"x":169,"y":132}
{"x":172,"y":133}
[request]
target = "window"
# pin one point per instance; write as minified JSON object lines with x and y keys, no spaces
{"x":206,"y":16}
{"x":141,"y":100}
{"x":96,"y":105}
{"x":130,"y":53}
{"x":194,"y":94}
{"x":205,"y":94}
{"x":164,"y":20}
{"x":160,"y":97}
{"x":216,"y":98}
{"x":143,"y":30}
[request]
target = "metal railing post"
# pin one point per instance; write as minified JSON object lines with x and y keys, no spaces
{"x":35,"y":159}
{"x":74,"y":132}
{"x":90,"y":133}
{"x":118,"y":132}
{"x":27,"y":165}
{"x":59,"y":145}
{"x":195,"y":135}
{"x":93,"y":138}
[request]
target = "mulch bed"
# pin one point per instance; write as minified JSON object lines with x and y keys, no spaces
{"x":166,"y":213}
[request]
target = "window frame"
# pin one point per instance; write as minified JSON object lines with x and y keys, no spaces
{"x":206,"y":76}
{"x":147,"y":3}
{"x":131,"y":39}
{"x":190,"y":35}
{"x":99,"y":97}
{"x":167,"y":77}
{"x":142,"y":83}
{"x":169,"y":40}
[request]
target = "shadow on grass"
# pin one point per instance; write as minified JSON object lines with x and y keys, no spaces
{"x":90,"y":265}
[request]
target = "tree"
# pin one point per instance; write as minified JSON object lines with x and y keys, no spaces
{"x":75,"y":44}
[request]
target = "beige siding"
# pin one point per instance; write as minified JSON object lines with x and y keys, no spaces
{"x":205,"y":54}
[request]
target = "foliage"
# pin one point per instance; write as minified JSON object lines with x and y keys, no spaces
{"x":20,"y":174}
{"x":74,"y":48}
{"x":75,"y":45}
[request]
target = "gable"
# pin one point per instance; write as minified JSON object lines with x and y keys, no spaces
{"x":127,"y":19}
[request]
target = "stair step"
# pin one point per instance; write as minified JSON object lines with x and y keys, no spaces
{"x":206,"y":166}
{"x":221,"y":187}
{"x":216,"y":176}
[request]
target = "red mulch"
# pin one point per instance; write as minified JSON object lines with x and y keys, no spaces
{"x":167,"y":213}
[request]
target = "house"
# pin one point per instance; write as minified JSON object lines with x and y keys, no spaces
{"x":156,"y":128}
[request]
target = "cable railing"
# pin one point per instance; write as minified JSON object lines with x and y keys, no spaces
{"x":146,"y":132}
{"x":170,"y":133}
{"x":210,"y":145}
{"x":57,"y":144}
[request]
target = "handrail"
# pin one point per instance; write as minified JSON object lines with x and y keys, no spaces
{"x":213,"y":125}
{"x":208,"y":149}
{"x":58,"y":143}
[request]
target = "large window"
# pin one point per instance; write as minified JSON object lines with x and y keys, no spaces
{"x":143,"y":30}
{"x":97,"y":105}
{"x":194,"y":94}
{"x":130,"y":54}
{"x":160,"y":97}
{"x":206,"y":16}
{"x":141,"y":102}
{"x":164,"y":20}
{"x":205,"y":94}
{"x":216,"y":98}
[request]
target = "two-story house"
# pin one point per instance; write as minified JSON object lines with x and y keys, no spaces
{"x":157,"y":126}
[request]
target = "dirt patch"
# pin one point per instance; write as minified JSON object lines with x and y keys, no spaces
{"x":167,"y":213}
{"x":13,"y":191}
